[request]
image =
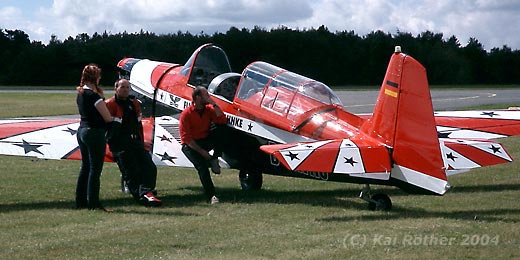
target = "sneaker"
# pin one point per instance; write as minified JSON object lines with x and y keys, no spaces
{"x":149,"y":200}
{"x":214,"y":200}
{"x":215,"y":167}
{"x":124,"y":187}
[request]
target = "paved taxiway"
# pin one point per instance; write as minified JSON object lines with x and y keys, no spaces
{"x":363,"y":101}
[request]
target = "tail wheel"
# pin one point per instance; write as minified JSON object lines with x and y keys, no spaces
{"x":380,"y":202}
{"x":250,"y":181}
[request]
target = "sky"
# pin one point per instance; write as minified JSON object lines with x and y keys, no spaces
{"x":494,"y":23}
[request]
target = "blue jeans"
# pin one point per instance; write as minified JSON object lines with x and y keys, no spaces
{"x":92,"y":145}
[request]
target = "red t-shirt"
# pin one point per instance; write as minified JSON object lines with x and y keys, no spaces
{"x":194,"y":126}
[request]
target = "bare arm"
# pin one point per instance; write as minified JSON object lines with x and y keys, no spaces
{"x":217,"y":109}
{"x":103,"y":110}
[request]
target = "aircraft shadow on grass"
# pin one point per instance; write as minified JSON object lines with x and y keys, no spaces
{"x":336,"y":198}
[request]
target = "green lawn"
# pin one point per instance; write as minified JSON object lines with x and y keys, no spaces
{"x":289,"y":218}
{"x":27,"y":104}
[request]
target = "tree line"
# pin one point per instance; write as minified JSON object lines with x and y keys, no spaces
{"x":340,"y":58}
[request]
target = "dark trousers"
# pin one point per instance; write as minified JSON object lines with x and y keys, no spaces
{"x":216,"y":141}
{"x":202,"y":165}
{"x":92,"y":146}
{"x":138,"y":170}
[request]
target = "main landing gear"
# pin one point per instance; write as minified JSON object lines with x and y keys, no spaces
{"x":250,"y":181}
{"x":377,"y":201}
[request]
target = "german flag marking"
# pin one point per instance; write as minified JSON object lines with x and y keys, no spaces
{"x":391,"y":92}
{"x":392,"y":84}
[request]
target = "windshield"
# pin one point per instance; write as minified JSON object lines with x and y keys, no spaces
{"x":320,"y":92}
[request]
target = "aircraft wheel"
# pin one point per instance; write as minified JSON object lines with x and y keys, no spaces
{"x":380,"y":202}
{"x":250,"y":181}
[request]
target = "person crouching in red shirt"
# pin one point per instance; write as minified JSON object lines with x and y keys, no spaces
{"x":198,"y":140}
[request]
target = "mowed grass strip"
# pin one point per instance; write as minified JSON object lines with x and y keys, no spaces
{"x":32,"y":104}
{"x":288,"y":219}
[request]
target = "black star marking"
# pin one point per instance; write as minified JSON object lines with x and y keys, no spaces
{"x":490,"y":114}
{"x":495,"y":149}
{"x":71,"y":131}
{"x":166,"y":157}
{"x":308,"y":146}
{"x":250,"y":127}
{"x":28,"y":147}
{"x":451,"y":156}
{"x":348,"y":144}
{"x":293,"y":155}
{"x":443,"y":134}
{"x":162,"y":95}
{"x":350,"y":160}
{"x":164,"y":138}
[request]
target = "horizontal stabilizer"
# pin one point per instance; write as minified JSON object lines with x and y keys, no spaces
{"x":484,"y":124}
{"x":340,"y":156}
{"x":462,"y":155}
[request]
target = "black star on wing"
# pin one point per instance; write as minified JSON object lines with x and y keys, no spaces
{"x":164,"y":138}
{"x":451,"y":156}
{"x":293,"y":155}
{"x":495,"y":149}
{"x":71,"y":131}
{"x":490,"y":114}
{"x":350,"y":160}
{"x":28,"y":147}
{"x":250,"y":127}
{"x":166,"y":157}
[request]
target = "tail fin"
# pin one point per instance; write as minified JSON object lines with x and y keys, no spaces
{"x":403,"y":120}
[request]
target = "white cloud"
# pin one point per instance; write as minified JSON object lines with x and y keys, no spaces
{"x":493,"y":22}
{"x":11,"y":16}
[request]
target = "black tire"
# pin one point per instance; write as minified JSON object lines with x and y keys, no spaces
{"x":250,"y":181}
{"x":382,"y":202}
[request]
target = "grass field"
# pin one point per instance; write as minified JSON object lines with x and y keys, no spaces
{"x":27,"y":104}
{"x":288,"y":219}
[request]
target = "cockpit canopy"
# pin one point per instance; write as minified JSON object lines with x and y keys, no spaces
{"x":207,"y":62}
{"x":282,"y":91}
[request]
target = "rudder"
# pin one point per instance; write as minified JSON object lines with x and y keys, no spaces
{"x":403,"y":119}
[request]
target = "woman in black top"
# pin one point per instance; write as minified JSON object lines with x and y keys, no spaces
{"x":91,"y":137}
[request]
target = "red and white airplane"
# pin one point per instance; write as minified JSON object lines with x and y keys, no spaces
{"x":289,"y":125}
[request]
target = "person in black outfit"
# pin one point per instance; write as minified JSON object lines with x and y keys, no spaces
{"x":91,"y":138}
{"x":126,"y":141}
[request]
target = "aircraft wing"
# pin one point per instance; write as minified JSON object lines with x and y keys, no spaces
{"x":167,"y":143}
{"x":56,"y":139}
{"x":42,"y":138}
{"x":483,"y":124}
{"x":341,"y":156}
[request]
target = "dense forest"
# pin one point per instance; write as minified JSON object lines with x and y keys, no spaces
{"x":339,"y":58}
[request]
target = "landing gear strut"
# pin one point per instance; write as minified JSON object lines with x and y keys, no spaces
{"x":377,"y":201}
